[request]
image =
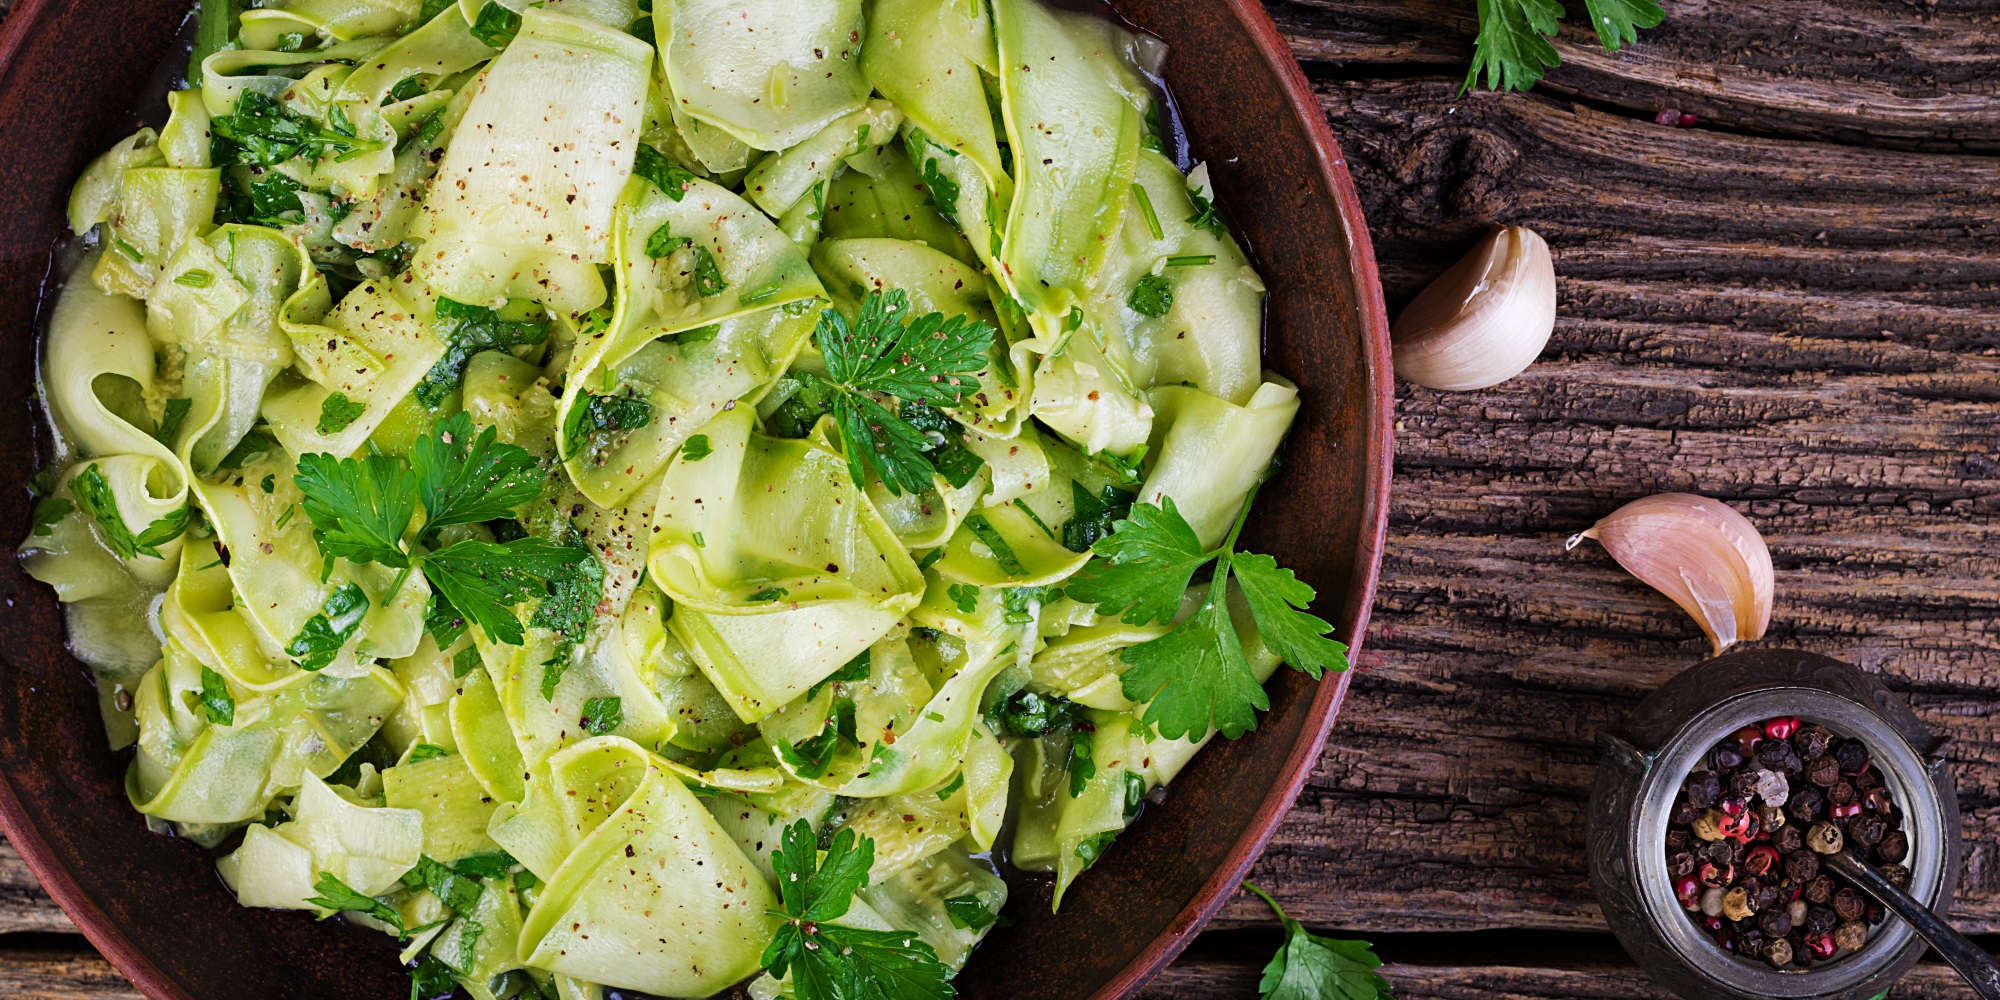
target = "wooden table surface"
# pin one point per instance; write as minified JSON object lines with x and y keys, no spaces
{"x":1793,"y":306}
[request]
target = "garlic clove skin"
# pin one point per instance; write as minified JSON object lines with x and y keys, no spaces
{"x":1707,"y":558}
{"x":1483,"y":321}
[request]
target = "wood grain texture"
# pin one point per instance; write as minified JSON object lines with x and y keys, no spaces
{"x":1795,"y":317}
{"x":1606,"y":981}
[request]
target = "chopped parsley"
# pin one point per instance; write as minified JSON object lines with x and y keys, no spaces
{"x":337,"y":411}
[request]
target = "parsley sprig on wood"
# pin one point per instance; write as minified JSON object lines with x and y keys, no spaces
{"x":361,"y":510}
{"x":1513,"y":48}
{"x":925,"y":359}
{"x":830,"y":961}
{"x":1196,"y":676}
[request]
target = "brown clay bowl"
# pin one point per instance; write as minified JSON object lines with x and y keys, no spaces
{"x":70,"y":72}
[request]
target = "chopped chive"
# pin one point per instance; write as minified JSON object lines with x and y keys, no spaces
{"x":1191,"y":260}
{"x":1030,"y":511}
{"x":759,"y":295}
{"x":196,"y":278}
{"x":1146,"y":206}
{"x":130,"y":251}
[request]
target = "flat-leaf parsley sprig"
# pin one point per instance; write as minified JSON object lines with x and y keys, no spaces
{"x":1513,"y":46}
{"x":830,"y":961}
{"x":1310,"y":967}
{"x":1196,"y":675}
{"x":361,"y":511}
{"x":925,"y":359}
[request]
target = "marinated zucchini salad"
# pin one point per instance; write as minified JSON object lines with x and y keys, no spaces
{"x":646,"y":496}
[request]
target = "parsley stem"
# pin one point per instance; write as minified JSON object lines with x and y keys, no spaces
{"x":1242,"y":516}
{"x":397,"y":584}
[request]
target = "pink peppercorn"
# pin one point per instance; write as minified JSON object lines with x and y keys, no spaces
{"x":1671,"y":116}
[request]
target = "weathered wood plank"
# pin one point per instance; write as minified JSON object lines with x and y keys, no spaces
{"x":61,"y":975}
{"x":23,"y":904}
{"x":1804,"y":329}
{"x":1922,"y":75}
{"x":1237,"y":978}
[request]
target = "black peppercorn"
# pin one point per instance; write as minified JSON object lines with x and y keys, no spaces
{"x":1849,"y":904}
{"x":1866,"y":830}
{"x":1868,"y":779}
{"x":1841,"y":793}
{"x":1852,"y":755}
{"x":1899,"y":874}
{"x":1718,"y":851}
{"x":1806,"y":804}
{"x":1743,"y":784}
{"x":1893,"y":848}
{"x":1764,"y":896}
{"x":1778,"y":755}
{"x":1678,"y":840}
{"x":1822,"y":770}
{"x":1702,"y":789}
{"x":1801,"y":866}
{"x":1684,"y":813}
{"x":1787,"y":840}
{"x":1821,"y":919}
{"x":1681,"y":865}
{"x":1725,"y":758}
{"x":1775,"y":922}
{"x":1811,"y":741}
{"x":1750,"y":943}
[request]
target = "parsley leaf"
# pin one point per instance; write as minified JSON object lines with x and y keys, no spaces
{"x":1082,"y":766}
{"x":495,"y":26}
{"x":964,"y":597}
{"x":335,"y":895}
{"x":261,"y":132}
{"x":176,"y":410}
{"x":319,"y":642}
{"x":1513,"y":45}
{"x":1152,"y":297}
{"x":1278,"y":601}
{"x":990,"y":537}
{"x":466,"y":331}
{"x":663,"y":242}
{"x":671,"y":178}
{"x":696,"y":448}
{"x":1093,"y":847}
{"x":425,"y":751}
{"x":830,"y":961}
{"x":707,"y":276}
{"x":444,"y":623}
{"x":812,"y":756}
{"x":1094,"y":517}
{"x":1145,"y":566}
{"x":48,"y":511}
{"x":1618,"y":21}
{"x":968,"y":913}
{"x":1206,"y":216}
{"x":484,"y":580}
{"x":572,"y":601}
{"x":853,"y":671}
{"x":431,"y":979}
{"x":94,"y":497}
{"x":926,"y":359}
{"x":1196,"y":675}
{"x":336,"y":411}
{"x":943,"y":191}
{"x":602,"y":715}
{"x":216,"y":701}
{"x":455,"y":889}
{"x":1310,"y":967}
{"x":595,"y":420}
{"x":464,"y":477}
{"x":486,"y":864}
{"x":359,"y":509}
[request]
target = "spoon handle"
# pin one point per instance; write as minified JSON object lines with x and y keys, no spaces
{"x":1975,"y":965}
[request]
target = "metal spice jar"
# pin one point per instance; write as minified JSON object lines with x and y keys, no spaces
{"x":1833,"y":734}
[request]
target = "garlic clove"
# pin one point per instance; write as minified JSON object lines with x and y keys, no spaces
{"x":1707,"y":558}
{"x":1484,"y":320}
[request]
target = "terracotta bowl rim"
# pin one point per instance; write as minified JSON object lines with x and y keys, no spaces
{"x":133,"y":961}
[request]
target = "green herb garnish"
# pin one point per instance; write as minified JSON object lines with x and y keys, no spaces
{"x":1310,"y":967}
{"x":834,"y":961}
{"x":336,"y":411}
{"x":1195,"y":676}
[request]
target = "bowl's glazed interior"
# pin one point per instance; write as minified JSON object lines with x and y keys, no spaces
{"x":70,"y":71}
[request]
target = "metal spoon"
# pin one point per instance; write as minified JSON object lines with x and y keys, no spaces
{"x":1975,"y":965}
